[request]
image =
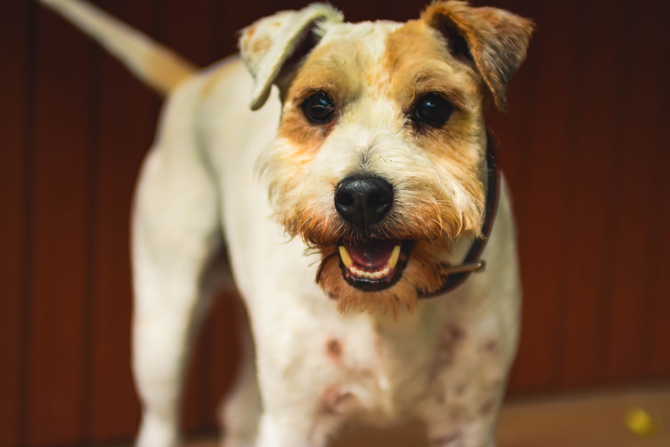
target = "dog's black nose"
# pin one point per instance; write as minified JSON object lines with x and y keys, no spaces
{"x":363,"y":200}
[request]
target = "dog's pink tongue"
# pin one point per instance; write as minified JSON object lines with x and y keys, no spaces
{"x":372,"y":253}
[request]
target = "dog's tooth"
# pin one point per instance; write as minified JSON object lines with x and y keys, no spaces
{"x":393,"y":260}
{"x":344,"y":255}
{"x":370,"y":275}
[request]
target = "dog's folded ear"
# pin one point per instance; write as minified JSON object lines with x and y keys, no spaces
{"x":494,"y":39}
{"x":273,"y":46}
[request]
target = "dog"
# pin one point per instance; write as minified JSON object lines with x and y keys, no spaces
{"x":354,"y":197}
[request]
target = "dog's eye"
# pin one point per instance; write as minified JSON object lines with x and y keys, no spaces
{"x":319,"y":109}
{"x":432,"y":109}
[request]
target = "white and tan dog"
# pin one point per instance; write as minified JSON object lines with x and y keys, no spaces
{"x":367,"y":171}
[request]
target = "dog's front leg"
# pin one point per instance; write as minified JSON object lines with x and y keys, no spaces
{"x":301,"y":408}
{"x":176,"y":235}
{"x":467,"y":416}
{"x":283,"y":430}
{"x":463,"y":411}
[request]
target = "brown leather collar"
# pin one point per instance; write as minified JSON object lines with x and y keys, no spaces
{"x":472,"y":263}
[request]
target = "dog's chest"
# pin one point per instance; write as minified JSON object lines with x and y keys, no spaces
{"x":381,"y":368}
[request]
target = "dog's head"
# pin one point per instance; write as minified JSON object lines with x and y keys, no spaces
{"x":379,"y":157}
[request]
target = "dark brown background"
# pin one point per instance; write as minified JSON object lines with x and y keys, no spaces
{"x":583,"y":148}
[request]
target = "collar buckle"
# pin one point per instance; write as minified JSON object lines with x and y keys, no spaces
{"x":478,"y":266}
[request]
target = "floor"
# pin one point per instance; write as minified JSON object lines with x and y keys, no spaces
{"x":607,"y":419}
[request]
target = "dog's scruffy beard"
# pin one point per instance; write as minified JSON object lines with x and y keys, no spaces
{"x":431,"y":209}
{"x":419,"y":274}
{"x":424,"y":233}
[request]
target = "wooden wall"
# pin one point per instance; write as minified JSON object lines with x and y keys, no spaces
{"x":583,"y":147}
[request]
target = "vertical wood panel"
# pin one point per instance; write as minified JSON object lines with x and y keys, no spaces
{"x":60,"y":229}
{"x":658,"y":343}
{"x":637,"y":215}
{"x":14,"y":66}
{"x":127,"y":115}
{"x":188,"y":30}
{"x":589,"y":226}
{"x":547,"y":161}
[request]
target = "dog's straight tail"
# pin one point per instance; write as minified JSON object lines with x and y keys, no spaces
{"x":157,"y":66}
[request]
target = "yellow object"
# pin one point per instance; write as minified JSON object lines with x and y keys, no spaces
{"x":640,"y":422}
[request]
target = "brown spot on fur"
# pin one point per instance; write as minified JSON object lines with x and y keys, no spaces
{"x":457,"y":413}
{"x":250,"y":31}
{"x":457,"y":333}
{"x":334,"y":349}
{"x":460,"y":389}
{"x":445,"y":350}
{"x":497,"y":40}
{"x":487,"y":407}
{"x":334,"y":401}
{"x":491,"y":346}
{"x":260,"y":45}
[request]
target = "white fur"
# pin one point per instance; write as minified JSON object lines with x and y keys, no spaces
{"x":444,"y":363}
{"x":386,"y":360}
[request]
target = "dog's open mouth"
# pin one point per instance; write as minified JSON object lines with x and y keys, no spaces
{"x":373,"y":264}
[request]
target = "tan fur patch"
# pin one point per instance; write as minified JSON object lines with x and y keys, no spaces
{"x":324,"y":71}
{"x":165,"y":71}
{"x":419,"y":63}
{"x":497,"y":40}
{"x":260,"y":45}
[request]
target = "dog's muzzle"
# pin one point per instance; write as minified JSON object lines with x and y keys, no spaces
{"x":368,"y":264}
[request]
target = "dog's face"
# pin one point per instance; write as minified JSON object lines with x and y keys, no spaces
{"x":380,"y":151}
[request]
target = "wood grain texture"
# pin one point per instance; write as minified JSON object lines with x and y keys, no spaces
{"x":15,"y":67}
{"x":588,"y":231}
{"x":637,"y":212}
{"x":547,"y":195}
{"x":59,"y":232}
